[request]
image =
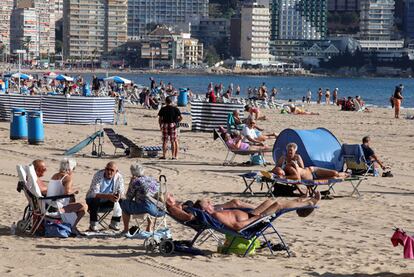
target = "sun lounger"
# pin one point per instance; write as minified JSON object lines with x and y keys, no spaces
{"x":152,"y":151}
{"x":271,"y":181}
{"x":113,"y":137}
{"x":259,"y":229}
{"x":250,"y":179}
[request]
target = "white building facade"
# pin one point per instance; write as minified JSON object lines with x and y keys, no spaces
{"x":376,"y":19}
{"x":33,"y":28}
{"x":93,"y":27}
{"x":255,"y":33}
{"x":5,"y":13}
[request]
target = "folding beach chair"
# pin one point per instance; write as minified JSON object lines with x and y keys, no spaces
{"x":261,"y":228}
{"x":103,"y":213}
{"x":231,"y":154}
{"x":231,"y":123}
{"x":42,"y":208}
{"x":113,"y":137}
{"x":356,"y":164}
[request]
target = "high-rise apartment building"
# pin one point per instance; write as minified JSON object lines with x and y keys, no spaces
{"x":376,"y":19}
{"x":409,"y":19}
{"x":5,"y":13}
{"x":33,"y":28}
{"x":144,"y":15}
{"x":58,"y":9}
{"x":298,"y":20}
{"x":93,"y":27}
{"x":343,"y":5}
{"x":255,"y":32}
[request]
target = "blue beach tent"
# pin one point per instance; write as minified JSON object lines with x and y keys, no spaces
{"x":317,"y":147}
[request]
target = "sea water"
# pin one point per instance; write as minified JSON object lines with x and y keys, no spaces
{"x":374,"y":91}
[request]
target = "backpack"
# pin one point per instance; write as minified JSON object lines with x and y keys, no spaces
{"x":257,"y":159}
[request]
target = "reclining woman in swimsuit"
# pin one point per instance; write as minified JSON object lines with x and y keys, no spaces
{"x":292,"y":167}
{"x":236,"y":143}
{"x":290,"y":156}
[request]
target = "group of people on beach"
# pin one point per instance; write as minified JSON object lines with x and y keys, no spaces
{"x":335,"y":94}
{"x":107,"y":192}
{"x":216,"y":93}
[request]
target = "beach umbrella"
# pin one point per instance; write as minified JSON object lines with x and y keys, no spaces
{"x":22,"y":76}
{"x":118,"y":80}
{"x":61,"y":77}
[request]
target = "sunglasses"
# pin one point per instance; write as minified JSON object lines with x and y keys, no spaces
{"x":109,"y":169}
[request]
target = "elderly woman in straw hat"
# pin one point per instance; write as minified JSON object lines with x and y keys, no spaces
{"x":137,"y":199}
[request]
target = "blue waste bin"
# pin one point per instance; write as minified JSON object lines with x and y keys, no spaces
{"x":183,"y":97}
{"x":86,"y":91}
{"x":36,"y":133}
{"x":18,"y":124}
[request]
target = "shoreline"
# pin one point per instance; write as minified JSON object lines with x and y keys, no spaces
{"x":214,"y":72}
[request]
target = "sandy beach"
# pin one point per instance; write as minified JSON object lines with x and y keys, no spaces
{"x":345,"y":236}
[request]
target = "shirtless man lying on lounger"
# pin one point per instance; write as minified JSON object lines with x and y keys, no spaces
{"x":238,"y":219}
{"x":178,"y":209}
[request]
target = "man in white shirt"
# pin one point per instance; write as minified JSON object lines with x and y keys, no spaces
{"x":253,"y":136}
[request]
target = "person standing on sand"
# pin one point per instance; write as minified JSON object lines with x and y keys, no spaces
{"x":169,"y":117}
{"x":398,"y":99}
{"x":320,"y":93}
{"x":249,"y":92}
{"x":335,"y":96}
{"x":309,"y":96}
{"x":153,"y":84}
{"x":273,"y":94}
{"x":327,"y":97}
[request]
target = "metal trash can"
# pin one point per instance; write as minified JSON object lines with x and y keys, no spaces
{"x":18,"y":124}
{"x":36,"y":133}
{"x":183,"y":97}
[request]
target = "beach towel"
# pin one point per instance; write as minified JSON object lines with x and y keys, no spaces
{"x":400,"y":237}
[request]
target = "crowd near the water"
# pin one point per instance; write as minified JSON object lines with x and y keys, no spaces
{"x":154,"y":94}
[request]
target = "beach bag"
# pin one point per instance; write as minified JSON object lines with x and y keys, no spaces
{"x":57,"y":229}
{"x":238,"y":245}
{"x":257,"y":159}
